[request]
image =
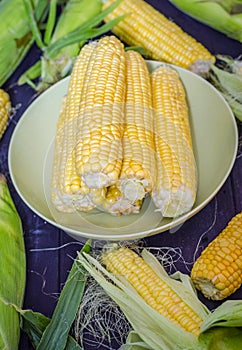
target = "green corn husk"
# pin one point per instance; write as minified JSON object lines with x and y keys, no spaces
{"x":15,"y":36}
{"x":227,"y":78}
{"x":155,"y":330}
{"x":52,"y":334}
{"x":56,"y":333}
{"x":13,"y":269}
{"x":219,"y":338}
{"x":34,"y":325}
{"x":222,"y":15}
{"x":71,"y":18}
{"x":78,"y":23}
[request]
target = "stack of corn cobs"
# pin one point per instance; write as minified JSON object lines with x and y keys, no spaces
{"x":123,"y":134}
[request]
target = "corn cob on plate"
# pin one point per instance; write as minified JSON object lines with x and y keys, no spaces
{"x":214,"y":160}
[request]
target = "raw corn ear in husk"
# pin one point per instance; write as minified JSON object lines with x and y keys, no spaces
{"x":223,"y":15}
{"x":15,"y":35}
{"x":133,"y":281}
{"x":128,"y":287}
{"x":13,"y":269}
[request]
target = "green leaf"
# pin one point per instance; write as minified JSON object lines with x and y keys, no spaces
{"x":85,"y":32}
{"x":77,"y":36}
{"x":230,"y":85}
{"x":35,"y":323}
{"x":222,"y":329}
{"x":228,"y":314}
{"x":138,"y":49}
{"x":75,"y":14}
{"x":220,"y":338}
{"x":50,"y":22}
{"x":33,"y":24}
{"x":32,"y":73}
{"x":56,"y":333}
{"x":134,"y":342}
{"x":13,"y":268}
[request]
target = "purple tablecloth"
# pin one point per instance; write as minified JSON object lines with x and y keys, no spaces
{"x":50,"y":251}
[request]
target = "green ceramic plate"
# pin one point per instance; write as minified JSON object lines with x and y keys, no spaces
{"x":215,"y":141}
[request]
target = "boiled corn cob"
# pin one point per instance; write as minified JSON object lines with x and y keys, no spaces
{"x":100,"y":122}
{"x":5,"y":109}
{"x":218,"y":270}
{"x":161,"y":38}
{"x":175,"y":189}
{"x":155,"y":291}
{"x":68,"y":193}
{"x":138,"y":166}
{"x":68,"y":190}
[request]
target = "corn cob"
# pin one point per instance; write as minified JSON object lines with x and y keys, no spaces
{"x":100,"y":122}
{"x":68,"y":190}
{"x":218,"y":270}
{"x":161,"y":38}
{"x":138,"y":167}
{"x":159,"y":295}
{"x":5,"y":108}
{"x":175,"y":188}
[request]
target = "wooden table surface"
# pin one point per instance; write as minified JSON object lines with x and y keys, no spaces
{"x":50,"y":251}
